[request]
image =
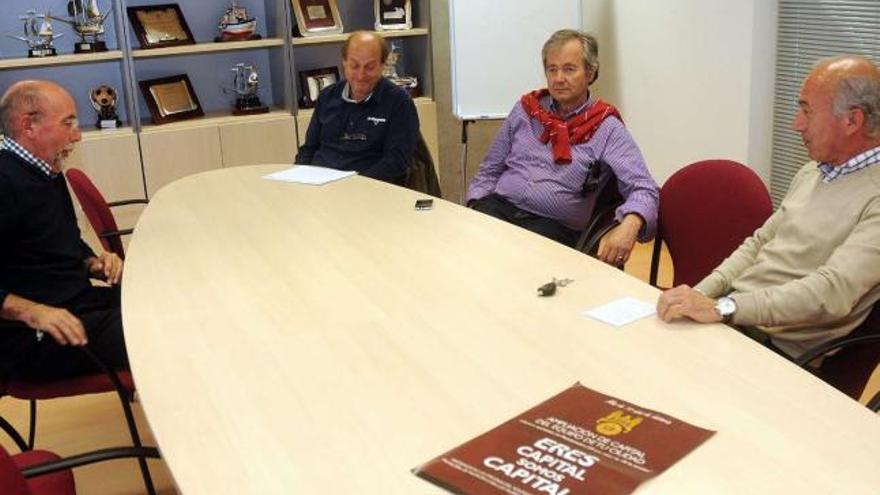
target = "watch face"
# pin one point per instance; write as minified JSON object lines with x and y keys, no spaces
{"x":725,"y":306}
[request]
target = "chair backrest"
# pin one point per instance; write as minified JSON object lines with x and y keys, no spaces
{"x":96,"y":209}
{"x":603,"y":216}
{"x":706,"y":211}
{"x":421,"y":175}
{"x":11,"y":480}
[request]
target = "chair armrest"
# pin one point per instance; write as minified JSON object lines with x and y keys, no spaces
{"x":590,"y":237}
{"x":128,"y":202}
{"x":874,"y":403}
{"x":114,"y":233}
{"x":832,"y":345}
{"x":91,"y":458}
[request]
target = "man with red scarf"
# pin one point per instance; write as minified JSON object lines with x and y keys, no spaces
{"x":536,"y":172}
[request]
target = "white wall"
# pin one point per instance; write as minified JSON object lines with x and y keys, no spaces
{"x":692,"y":78}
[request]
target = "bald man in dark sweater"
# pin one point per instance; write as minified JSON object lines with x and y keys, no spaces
{"x":48,"y":305}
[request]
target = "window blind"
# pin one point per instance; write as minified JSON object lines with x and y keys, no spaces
{"x":808,"y":31}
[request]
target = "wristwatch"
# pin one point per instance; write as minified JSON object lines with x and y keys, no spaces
{"x":726,"y":307}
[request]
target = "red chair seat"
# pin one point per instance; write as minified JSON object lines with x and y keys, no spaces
{"x":13,"y":483}
{"x":81,"y":385}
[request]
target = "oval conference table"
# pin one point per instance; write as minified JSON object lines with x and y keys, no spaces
{"x":288,"y":338}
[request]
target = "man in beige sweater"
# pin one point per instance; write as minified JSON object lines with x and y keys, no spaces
{"x":811,"y":273}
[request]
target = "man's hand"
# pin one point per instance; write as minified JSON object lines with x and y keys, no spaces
{"x":685,"y":302}
{"x":106,"y":266}
{"x":618,"y":243}
{"x":57,"y":322}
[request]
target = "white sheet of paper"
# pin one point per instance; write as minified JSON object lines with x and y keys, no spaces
{"x":307,"y":174}
{"x":622,"y":311}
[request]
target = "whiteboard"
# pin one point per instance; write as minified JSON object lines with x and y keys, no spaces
{"x":495,"y":51}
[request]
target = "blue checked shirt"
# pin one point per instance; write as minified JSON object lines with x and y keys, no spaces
{"x":858,"y":162}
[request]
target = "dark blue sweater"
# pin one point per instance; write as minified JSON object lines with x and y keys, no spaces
{"x":375,"y":138}
{"x":41,"y":252}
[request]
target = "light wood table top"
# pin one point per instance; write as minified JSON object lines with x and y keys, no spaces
{"x":300,"y":339}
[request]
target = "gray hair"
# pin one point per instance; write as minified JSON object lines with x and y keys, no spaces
{"x":862,"y":92}
{"x":857,"y":85}
{"x":22,"y":97}
{"x":589,"y":46}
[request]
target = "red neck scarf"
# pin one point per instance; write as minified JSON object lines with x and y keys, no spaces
{"x":561,"y":134}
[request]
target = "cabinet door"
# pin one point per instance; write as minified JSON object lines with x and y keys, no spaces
{"x":112,"y":161}
{"x":172,"y":154}
{"x":258,"y":142}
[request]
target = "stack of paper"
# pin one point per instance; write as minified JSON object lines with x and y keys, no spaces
{"x":307,"y":174}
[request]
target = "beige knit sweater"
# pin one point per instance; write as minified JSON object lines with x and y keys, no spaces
{"x":811,"y":273}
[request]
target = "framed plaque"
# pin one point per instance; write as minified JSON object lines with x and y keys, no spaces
{"x":160,"y":25}
{"x":313,"y":81}
{"x":170,"y":99}
{"x":393,"y":14}
{"x":317,"y":17}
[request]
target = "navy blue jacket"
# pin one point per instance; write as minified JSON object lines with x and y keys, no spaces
{"x":375,"y":138}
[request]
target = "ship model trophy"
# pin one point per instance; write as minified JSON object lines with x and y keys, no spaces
{"x":38,"y":34}
{"x":390,"y":72}
{"x":88,"y":22}
{"x":246,"y":83}
{"x":237,"y":25}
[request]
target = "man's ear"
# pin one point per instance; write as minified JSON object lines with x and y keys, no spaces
{"x":26,"y":123}
{"x":855,"y":121}
{"x":595,"y":76}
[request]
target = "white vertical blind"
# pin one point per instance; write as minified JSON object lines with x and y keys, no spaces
{"x":808,"y":31}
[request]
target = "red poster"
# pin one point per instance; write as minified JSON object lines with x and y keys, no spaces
{"x":578,"y":442}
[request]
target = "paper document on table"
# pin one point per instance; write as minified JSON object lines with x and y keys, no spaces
{"x":307,"y":174}
{"x":622,"y":311}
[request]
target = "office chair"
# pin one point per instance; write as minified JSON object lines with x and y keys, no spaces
{"x":850,"y":360}
{"x":98,"y":211}
{"x":602,"y":219}
{"x":706,"y":210}
{"x":421,"y":175}
{"x":40,"y":472}
{"x":107,"y":380}
{"x":874,"y":403}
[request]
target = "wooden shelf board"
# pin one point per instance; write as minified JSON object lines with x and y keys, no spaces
{"x":217,"y":118}
{"x":336,"y":38}
{"x":90,"y":133}
{"x":207,"y":47}
{"x":65,"y":59}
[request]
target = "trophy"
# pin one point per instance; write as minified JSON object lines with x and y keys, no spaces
{"x":104,"y":100}
{"x":37,"y":34}
{"x":246,"y":83}
{"x":409,"y":83}
{"x":88,"y":23}
{"x":237,"y":25}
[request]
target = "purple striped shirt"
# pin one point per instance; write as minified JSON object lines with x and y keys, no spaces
{"x":521,"y":168}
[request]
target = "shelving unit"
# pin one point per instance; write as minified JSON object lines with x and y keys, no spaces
{"x":66,"y":59}
{"x":206,"y":48}
{"x":338,"y":38}
{"x":140,"y":157}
